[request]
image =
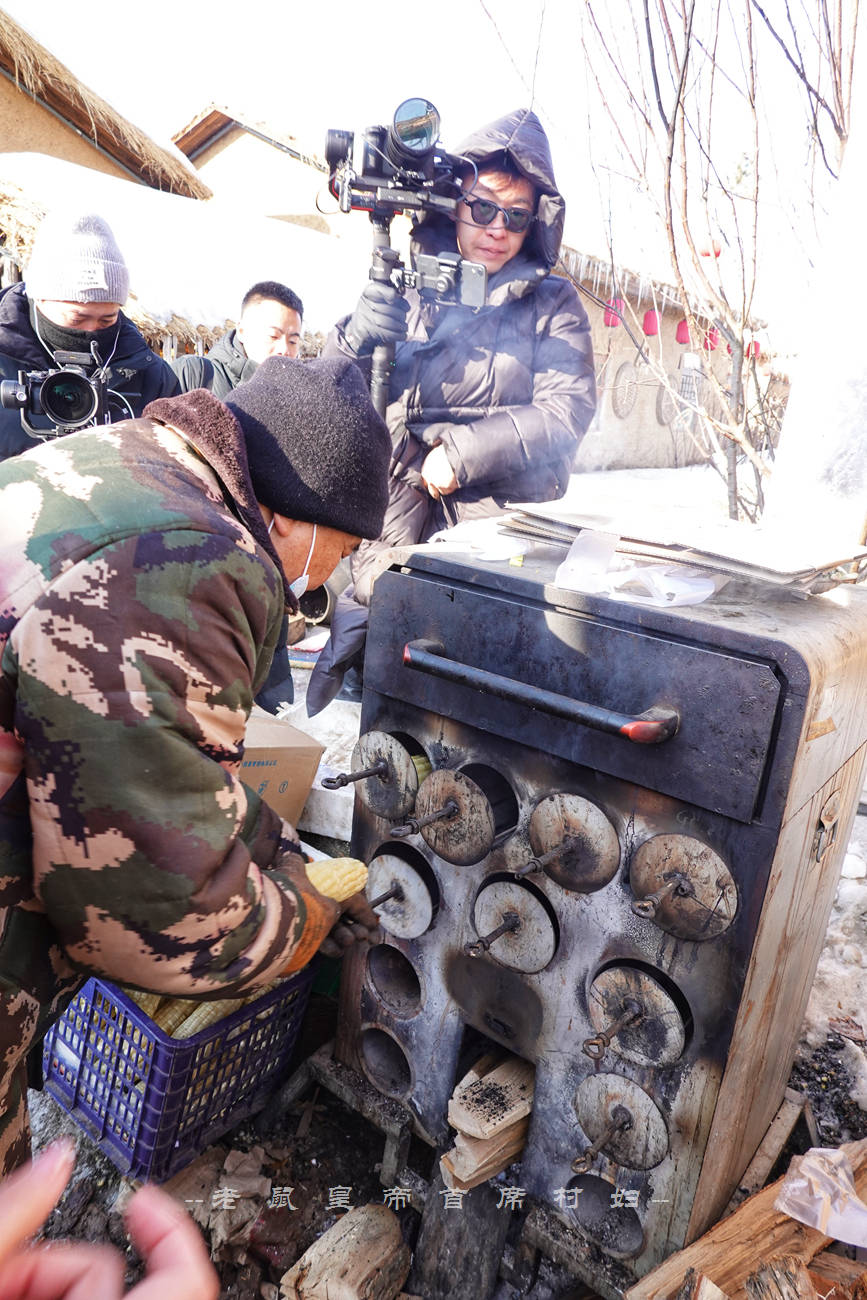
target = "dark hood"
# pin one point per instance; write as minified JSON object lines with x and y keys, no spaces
{"x":18,"y":338}
{"x":521,"y":136}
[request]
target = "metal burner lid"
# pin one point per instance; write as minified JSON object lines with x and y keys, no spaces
{"x":532,"y":944}
{"x":392,"y":795}
{"x":657,"y":1034}
{"x":590,"y":853}
{"x":406,"y":917}
{"x":641,"y":1146}
{"x":684,"y":887}
{"x":468,"y":835}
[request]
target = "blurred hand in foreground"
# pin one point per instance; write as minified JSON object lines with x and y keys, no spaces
{"x":165,"y":1237}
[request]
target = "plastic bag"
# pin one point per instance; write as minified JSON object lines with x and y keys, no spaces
{"x":819,"y":1190}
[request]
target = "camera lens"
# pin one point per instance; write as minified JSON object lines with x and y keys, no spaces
{"x":68,"y":398}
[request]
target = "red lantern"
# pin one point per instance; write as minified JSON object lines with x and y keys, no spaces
{"x":712,"y":249}
{"x":711,"y":339}
{"x":650,"y":324}
{"x":752,"y":349}
{"x":613,"y":311}
{"x":682,"y":332}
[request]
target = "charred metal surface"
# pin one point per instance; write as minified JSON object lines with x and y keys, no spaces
{"x":592,"y":905}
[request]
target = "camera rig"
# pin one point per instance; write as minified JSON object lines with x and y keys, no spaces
{"x":69,"y":395}
{"x":403,"y":171}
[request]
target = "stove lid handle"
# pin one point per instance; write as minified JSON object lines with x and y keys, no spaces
{"x":649,"y":728}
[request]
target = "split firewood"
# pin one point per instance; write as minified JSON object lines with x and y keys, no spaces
{"x":698,"y":1287}
{"x":482,"y":1106}
{"x":838,"y":1268}
{"x":826,"y":1288}
{"x":785,"y":1278}
{"x":728,"y":1251}
{"x":473,"y":1160}
{"x":361,"y":1257}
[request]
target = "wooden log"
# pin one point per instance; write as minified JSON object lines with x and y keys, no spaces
{"x":772,"y":1143}
{"x":785,"y":1278}
{"x":459,"y":1250}
{"x":698,"y":1287}
{"x":827,"y":1289}
{"x":727,"y":1253}
{"x":361,"y":1257}
{"x":838,"y":1268}
{"x":491,"y":1103}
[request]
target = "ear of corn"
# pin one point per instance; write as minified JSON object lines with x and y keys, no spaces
{"x":206,"y":1014}
{"x":174,"y":1012}
{"x":337,"y":878}
{"x":148,"y":1002}
{"x":422,"y":766}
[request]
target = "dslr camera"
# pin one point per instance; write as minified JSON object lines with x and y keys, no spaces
{"x":69,"y":396}
{"x":402,"y":170}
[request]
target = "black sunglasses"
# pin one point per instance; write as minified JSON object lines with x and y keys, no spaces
{"x":484,"y":210}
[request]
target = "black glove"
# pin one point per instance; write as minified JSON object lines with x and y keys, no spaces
{"x":380,"y":317}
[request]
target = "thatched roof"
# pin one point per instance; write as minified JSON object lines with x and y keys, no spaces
{"x":39,"y":74}
{"x":216,"y":121}
{"x":19,"y":220}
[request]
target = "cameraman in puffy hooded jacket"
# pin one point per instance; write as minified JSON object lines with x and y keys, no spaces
{"x":486,"y":407}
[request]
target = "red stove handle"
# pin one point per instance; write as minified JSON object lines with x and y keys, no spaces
{"x":649,"y":728}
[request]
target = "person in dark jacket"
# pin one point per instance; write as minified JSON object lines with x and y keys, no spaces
{"x":270,"y":326}
{"x":486,"y":407}
{"x":75,"y":286}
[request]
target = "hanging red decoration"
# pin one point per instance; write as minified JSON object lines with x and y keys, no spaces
{"x":711,"y":339}
{"x":752,"y":349}
{"x":650,"y":324}
{"x":613,"y":311}
{"x":682,"y":332}
{"x":712,"y":249}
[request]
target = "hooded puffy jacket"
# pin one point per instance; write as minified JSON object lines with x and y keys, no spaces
{"x":509,"y":389}
{"x":136,"y":375}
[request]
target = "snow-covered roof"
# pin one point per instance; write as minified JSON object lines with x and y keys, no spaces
{"x":187,"y":259}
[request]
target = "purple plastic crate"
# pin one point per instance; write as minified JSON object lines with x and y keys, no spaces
{"x":152,"y":1102}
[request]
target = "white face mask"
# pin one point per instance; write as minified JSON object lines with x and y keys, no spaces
{"x":299,"y":586}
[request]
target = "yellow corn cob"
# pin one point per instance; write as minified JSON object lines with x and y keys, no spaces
{"x":337,"y":878}
{"x":174,"y":1012}
{"x":148,"y":1002}
{"x":422,"y":766}
{"x":206,"y":1014}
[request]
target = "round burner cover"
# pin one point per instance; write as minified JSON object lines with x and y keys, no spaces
{"x":467,"y":837}
{"x":645,"y":1143}
{"x":406,"y":917}
{"x":392,"y":795}
{"x":530,"y":947}
{"x":591,"y":850}
{"x":711,"y":901}
{"x":657,"y":1036}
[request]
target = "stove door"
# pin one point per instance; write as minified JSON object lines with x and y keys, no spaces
{"x":669,"y":715}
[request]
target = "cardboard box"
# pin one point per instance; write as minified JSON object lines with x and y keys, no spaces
{"x":279,"y":763}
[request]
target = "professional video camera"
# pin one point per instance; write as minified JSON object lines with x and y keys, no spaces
{"x":403,"y":171}
{"x":70,"y":396}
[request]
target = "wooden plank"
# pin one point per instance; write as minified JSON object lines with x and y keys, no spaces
{"x":782,"y":966}
{"x":728,"y":1252}
{"x":490,"y":1104}
{"x":769,"y":1151}
{"x":361,"y":1257}
{"x":473,"y":1160}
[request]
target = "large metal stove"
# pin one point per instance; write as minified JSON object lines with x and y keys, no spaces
{"x":608,"y":838}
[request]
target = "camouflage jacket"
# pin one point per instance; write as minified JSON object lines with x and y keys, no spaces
{"x":141,"y":602}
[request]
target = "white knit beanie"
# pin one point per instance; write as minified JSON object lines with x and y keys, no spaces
{"x":75,"y":259}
